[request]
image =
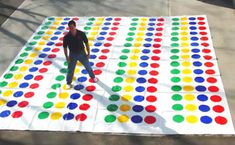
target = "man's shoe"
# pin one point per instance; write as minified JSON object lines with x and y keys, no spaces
{"x":95,"y":80}
{"x":69,"y":86}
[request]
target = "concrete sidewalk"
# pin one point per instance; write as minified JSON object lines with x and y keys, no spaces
{"x":19,"y":27}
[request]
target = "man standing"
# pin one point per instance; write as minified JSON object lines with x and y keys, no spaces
{"x":74,"y":41}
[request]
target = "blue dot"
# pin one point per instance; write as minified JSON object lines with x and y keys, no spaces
{"x":57,"y":33}
{"x":100,"y":38}
{"x":93,"y":56}
{"x":68,"y":116}
{"x":202,"y":97}
{"x":46,"y":49}
{"x":151,"y":24}
{"x":54,"y":38}
{"x":109,"y":19}
{"x":152,"y":19}
{"x":143,"y":64}
{"x":199,"y":79}
{"x":50,"y":43}
{"x":196,"y":56}
{"x":141,"y":80}
{"x":107,"y":23}
{"x":24,"y":85}
{"x":11,"y":103}
{"x":146,"y":51}
{"x":139,"y":89}
{"x":28,"y":77}
{"x":194,"y":44}
{"x":192,"y":23}
{"x":201,"y":88}
{"x":72,"y":106}
{"x":137,"y":108}
{"x":195,"y":50}
{"x":136,"y":119}
{"x":139,"y":98}
{"x":192,"y":28}
{"x":192,"y":18}
{"x":61,"y":28}
{"x":197,"y":63}
{"x":5,"y":113}
{"x":142,"y":72}
{"x":144,"y":57}
{"x":79,"y":87}
{"x":98,"y":44}
{"x":66,"y":19}
{"x":82,"y":79}
{"x":18,"y":94}
{"x":84,"y":71}
{"x":105,"y":28}
{"x":194,"y":38}
{"x":91,"y":63}
{"x":37,"y":62}
{"x":64,"y":23}
{"x":150,"y":29}
{"x":206,"y":119}
{"x":198,"y":71}
{"x":95,"y":50}
{"x":149,"y":34}
{"x":193,"y":33}
{"x":204,"y":108}
{"x":33,"y":69}
{"x":75,"y":96}
{"x":103,"y":33}
{"x":147,"y":45}
{"x":148,"y":39}
{"x":42,"y":55}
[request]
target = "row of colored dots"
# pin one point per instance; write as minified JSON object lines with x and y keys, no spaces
{"x":59,"y":115}
{"x":135,"y":108}
{"x":200,"y":97}
{"x":137,"y":98}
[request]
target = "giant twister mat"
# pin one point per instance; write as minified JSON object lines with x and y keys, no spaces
{"x":157,"y":75}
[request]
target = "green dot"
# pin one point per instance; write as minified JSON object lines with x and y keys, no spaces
{"x":123,"y":57}
{"x":45,"y":27}
{"x":174,"y":39}
{"x":175,"y":71}
{"x":176,"y":97}
{"x":40,"y":32}
{"x":87,"y":28}
{"x":110,"y":118}
{"x":48,"y":105}
{"x":14,"y":68}
{"x":132,"y":28}
{"x":0,"y":91}
{"x":175,"y":79}
{"x":86,"y":32}
{"x":174,"y":45}
{"x":174,"y":33}
{"x":66,"y":63}
{"x":63,"y":71}
{"x":175,"y":63}
{"x":131,"y":34}
{"x":177,"y":107}
{"x":89,"y":23}
{"x":47,"y":23}
{"x":127,"y":44}
{"x":60,"y":78}
{"x":125,"y":51}
{"x":28,"y":48}
{"x":51,"y":18}
{"x":176,"y":88}
{"x":24,"y":54}
{"x":175,"y":50}
{"x":134,"y":24}
{"x":43,"y":115}
{"x":175,"y":23}
{"x":8,"y":76}
{"x":175,"y":28}
{"x":112,"y":107}
{"x":36,"y":37}
{"x":120,"y":72}
{"x":135,"y":19}
{"x":32,"y":43}
{"x":114,"y":97}
{"x":116,"y":88}
{"x":174,"y":57}
{"x":51,"y":95}
{"x":3,"y":84}
{"x":118,"y":79}
{"x":121,"y":64}
{"x":19,"y":61}
{"x":91,"y":19}
{"x":129,"y":39}
{"x":55,"y":86}
{"x":178,"y":118}
{"x":175,"y":19}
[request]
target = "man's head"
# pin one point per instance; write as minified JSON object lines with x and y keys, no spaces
{"x":72,"y":25}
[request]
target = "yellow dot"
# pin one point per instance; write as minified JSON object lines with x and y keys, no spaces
{"x":140,"y":34}
{"x":98,"y":23}
{"x":125,"y":107}
{"x":183,"y":18}
{"x":187,"y":79}
{"x":56,"y":23}
{"x":77,"y":70}
{"x":132,"y":64}
{"x":18,"y":76}
{"x":79,"y":63}
{"x":7,"y":93}
{"x":139,"y":39}
{"x":189,"y":97}
{"x":130,"y":80}
{"x":49,"y":32}
{"x":131,"y":72}
{"x":143,"y":24}
{"x":184,"y":38}
{"x":53,"y":27}
{"x":184,"y":44}
{"x":134,"y":57}
{"x":59,"y":19}
{"x":60,"y":105}
{"x":63,"y":95}
{"x":28,"y":61}
{"x":23,"y":68}
{"x":191,"y":107}
{"x":188,"y":88}
{"x":46,"y":37}
{"x":2,"y":102}
{"x":144,"y":19}
{"x":186,"y":63}
{"x":33,"y":54}
{"x":184,"y":33}
{"x":74,"y":78}
{"x":192,"y":119}
{"x":137,"y":44}
{"x":123,"y":118}
{"x":187,"y":71}
{"x":185,"y":50}
{"x":126,"y":97}
{"x":142,"y":28}
{"x":91,"y":38}
{"x":184,"y":23}
{"x":95,"y":28}
{"x":37,"y":49}
{"x":94,"y":33}
{"x":90,"y":43}
{"x":136,"y":50}
{"x":42,"y":43}
{"x":56,"y":115}
{"x":185,"y":56}
{"x":184,"y":28}
{"x":100,"y":18}
{"x":13,"y":85}
{"x":128,"y":88}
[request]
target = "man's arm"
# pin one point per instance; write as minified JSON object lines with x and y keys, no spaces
{"x":88,"y":50}
{"x":65,"y":45}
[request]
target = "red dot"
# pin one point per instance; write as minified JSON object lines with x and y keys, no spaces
{"x":157,"y":39}
{"x":154,"y":65}
{"x":218,"y":108}
{"x":90,"y":88}
{"x":34,"y":86}
{"x":38,"y":77}
{"x":151,"y":98}
{"x":87,"y":97}
{"x":112,"y":33}
{"x":207,"y":57}
{"x":84,"y":106}
{"x":65,"y":33}
{"x":102,"y":57}
{"x":213,"y":89}
{"x":81,"y":117}
{"x":51,"y":56}
{"x":206,"y":50}
{"x":201,"y":23}
{"x":114,"y":28}
{"x":160,"y":19}
{"x":59,"y":44}
{"x":202,"y":28}
{"x":110,"y":38}
{"x":153,"y":73}
{"x":158,"y":34}
{"x":156,"y":45}
{"x":55,"y":50}
{"x":209,"y":64}
{"x":152,"y":80}
{"x":29,"y":94}
{"x":47,"y":63}
{"x":211,"y":80}
{"x":150,"y":108}
{"x":159,"y":24}
{"x":151,"y":89}
{"x":107,"y":44}
{"x":204,"y":38}
{"x":159,"y":29}
{"x":156,"y":51}
{"x":200,"y":18}
{"x":220,"y":120}
{"x":215,"y":98}
{"x":75,"y":19}
{"x":67,"y":28}
{"x":155,"y":58}
{"x":61,"y":38}
{"x":100,"y":64}
{"x":150,"y":119}
{"x":210,"y":71}
{"x":116,"y":23}
{"x":203,"y":33}
{"x":205,"y":44}
{"x":117,"y":19}
{"x":23,"y":104}
{"x":97,"y":72}
{"x":17,"y":114}
{"x":105,"y":51}
{"x":43,"y":70}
